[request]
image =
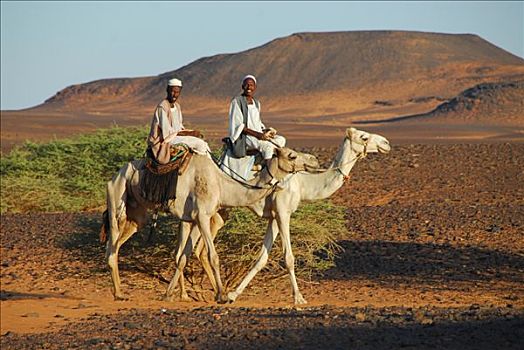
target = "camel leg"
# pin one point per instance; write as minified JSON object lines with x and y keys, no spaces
{"x":216,"y":224}
{"x":269,"y":239}
{"x":283,"y":224}
{"x":180,"y":265}
{"x":205,"y":229}
{"x":183,"y":236}
{"x":112,"y":249}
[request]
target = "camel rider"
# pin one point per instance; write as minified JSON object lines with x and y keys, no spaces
{"x":245,"y":122}
{"x":167,"y":128}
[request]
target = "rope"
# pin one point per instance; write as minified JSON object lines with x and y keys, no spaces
{"x":245,"y":184}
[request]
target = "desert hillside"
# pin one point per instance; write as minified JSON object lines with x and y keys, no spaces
{"x":310,"y":85}
{"x":486,"y":104}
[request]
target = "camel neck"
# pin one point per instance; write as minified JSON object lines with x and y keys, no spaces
{"x":234,"y":194}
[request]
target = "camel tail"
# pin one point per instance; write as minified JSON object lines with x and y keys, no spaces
{"x":105,"y":227}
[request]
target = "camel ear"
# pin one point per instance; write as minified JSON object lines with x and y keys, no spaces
{"x":350,"y":131}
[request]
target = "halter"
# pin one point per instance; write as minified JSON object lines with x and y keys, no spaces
{"x":359,"y":156}
{"x":271,"y":184}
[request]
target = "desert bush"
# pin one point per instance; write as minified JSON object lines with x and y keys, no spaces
{"x":67,"y":174}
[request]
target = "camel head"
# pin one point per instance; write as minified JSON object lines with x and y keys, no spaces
{"x":291,"y":161}
{"x":365,"y":142}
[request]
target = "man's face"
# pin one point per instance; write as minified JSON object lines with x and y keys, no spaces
{"x":173,"y":92}
{"x":249,"y":87}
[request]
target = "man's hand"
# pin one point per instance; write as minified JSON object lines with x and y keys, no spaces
{"x":266,"y":136}
{"x":259,"y":135}
{"x":269,"y":133}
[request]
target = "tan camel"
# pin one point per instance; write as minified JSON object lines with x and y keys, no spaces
{"x":279,"y":206}
{"x":201,"y":191}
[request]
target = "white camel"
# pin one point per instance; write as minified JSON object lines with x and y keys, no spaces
{"x":201,"y":191}
{"x":189,"y":233}
{"x":279,"y":206}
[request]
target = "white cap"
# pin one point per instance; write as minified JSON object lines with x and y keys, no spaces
{"x":174,"y":82}
{"x":249,"y":76}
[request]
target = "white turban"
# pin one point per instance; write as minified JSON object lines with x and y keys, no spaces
{"x":249,"y":76}
{"x":174,"y":82}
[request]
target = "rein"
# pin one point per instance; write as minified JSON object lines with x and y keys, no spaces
{"x":243,"y":183}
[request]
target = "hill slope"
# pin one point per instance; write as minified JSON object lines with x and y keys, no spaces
{"x":308,"y":83}
{"x":318,"y":63}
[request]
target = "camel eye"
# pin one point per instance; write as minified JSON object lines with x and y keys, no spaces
{"x":364,"y":137}
{"x":293,"y":157}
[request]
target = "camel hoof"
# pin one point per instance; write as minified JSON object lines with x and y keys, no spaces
{"x":120,"y":297}
{"x":299,"y":300}
{"x":185,"y":297}
{"x":231,"y":297}
{"x":221,"y":300}
{"x":168,"y":298}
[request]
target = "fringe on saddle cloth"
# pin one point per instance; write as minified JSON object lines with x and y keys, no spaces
{"x":158,"y":182}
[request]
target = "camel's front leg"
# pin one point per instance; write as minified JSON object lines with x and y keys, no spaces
{"x":216,"y":224}
{"x":283,"y":223}
{"x":269,"y":239}
{"x":184,"y":250}
{"x":205,"y":230}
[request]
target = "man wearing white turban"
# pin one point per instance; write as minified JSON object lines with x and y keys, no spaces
{"x":167,"y":128}
{"x":246,"y":130}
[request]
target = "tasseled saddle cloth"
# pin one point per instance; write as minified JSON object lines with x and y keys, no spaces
{"x":158,"y":182}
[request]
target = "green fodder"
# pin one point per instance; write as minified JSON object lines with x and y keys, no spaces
{"x":315,"y":228}
{"x":67,"y":174}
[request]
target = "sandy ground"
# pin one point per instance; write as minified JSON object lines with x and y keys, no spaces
{"x":433,"y":258}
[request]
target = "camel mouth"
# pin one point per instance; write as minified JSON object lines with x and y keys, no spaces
{"x":384,"y":148}
{"x":311,"y":167}
{"x":312,"y":164}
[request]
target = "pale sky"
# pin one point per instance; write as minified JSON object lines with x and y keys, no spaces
{"x":47,"y":46}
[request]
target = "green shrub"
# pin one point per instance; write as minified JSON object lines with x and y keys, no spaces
{"x":68,"y":174}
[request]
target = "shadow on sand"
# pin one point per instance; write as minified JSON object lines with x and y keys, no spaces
{"x":425,"y":262}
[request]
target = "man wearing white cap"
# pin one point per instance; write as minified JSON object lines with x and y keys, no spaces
{"x":244,"y":121}
{"x":247,"y":132}
{"x":167,"y":128}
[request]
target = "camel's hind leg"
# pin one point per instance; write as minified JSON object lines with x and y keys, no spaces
{"x":135,"y":219}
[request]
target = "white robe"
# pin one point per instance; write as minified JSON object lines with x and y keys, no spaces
{"x":240,"y":168}
{"x":170,"y":130}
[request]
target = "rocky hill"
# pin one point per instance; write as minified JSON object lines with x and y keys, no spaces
{"x":487,"y":104}
{"x":307,"y":81}
{"x":312,"y":63}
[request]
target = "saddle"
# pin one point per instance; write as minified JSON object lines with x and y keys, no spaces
{"x":180,"y":154}
{"x":228,"y":145}
{"x":158,"y":181}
